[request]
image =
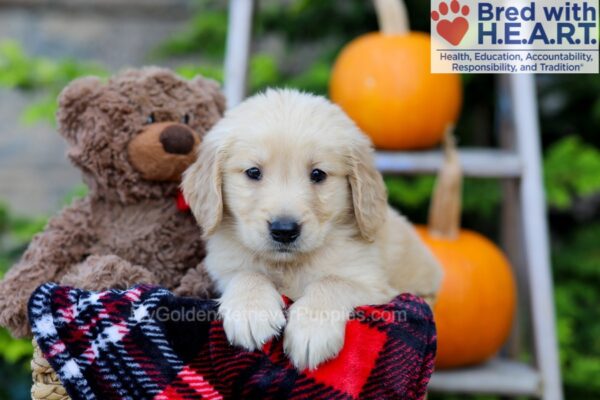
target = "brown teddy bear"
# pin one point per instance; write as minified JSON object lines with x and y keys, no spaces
{"x":132,"y":138}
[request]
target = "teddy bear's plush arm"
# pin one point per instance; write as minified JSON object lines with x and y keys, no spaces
{"x":195,"y":283}
{"x":102,"y":272}
{"x":65,"y":241}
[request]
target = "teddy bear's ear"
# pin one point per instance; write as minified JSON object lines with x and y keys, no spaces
{"x":73,"y":101}
{"x":213,"y":89}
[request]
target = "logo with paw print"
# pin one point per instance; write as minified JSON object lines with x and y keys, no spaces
{"x":450,"y":22}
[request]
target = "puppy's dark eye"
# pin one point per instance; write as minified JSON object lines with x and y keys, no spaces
{"x":185,"y":119}
{"x":254,"y":173}
{"x":316,"y":175}
{"x":150,"y":119}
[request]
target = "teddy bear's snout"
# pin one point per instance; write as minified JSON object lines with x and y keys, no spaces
{"x":163,"y":150}
{"x":177,"y":139}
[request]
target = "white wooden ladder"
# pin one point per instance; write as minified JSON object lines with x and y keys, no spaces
{"x":524,"y":226}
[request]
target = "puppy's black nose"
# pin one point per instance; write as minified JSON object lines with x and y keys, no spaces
{"x":284,"y":230}
{"x":177,"y":139}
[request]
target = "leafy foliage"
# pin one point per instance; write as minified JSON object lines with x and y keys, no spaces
{"x":21,"y":71}
{"x":204,"y":35}
{"x":18,"y":70}
{"x":14,"y":351}
{"x":15,"y":234}
{"x":576,"y":260}
{"x":571,"y":169}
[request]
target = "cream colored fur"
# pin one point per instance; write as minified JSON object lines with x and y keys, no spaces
{"x":353,"y":248}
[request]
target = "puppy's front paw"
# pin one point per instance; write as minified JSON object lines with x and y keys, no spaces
{"x":313,"y":335}
{"x":253,"y":319}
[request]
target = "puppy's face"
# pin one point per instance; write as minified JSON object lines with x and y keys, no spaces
{"x":285,"y":190}
{"x":285,"y":171}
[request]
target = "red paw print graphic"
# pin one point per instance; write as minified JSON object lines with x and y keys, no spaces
{"x":451,"y":30}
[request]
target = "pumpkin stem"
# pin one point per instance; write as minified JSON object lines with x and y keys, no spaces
{"x":445,"y":208}
{"x":392,"y":17}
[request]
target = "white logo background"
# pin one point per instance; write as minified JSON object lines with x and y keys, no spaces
{"x":513,"y":36}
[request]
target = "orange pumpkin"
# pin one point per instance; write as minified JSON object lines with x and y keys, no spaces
{"x":384,"y":82}
{"x":475,"y":307}
{"x":476,"y":302}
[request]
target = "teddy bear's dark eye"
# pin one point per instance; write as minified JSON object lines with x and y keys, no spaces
{"x":150,"y":119}
{"x":185,"y":119}
{"x":253,"y":173}
{"x":316,"y":175}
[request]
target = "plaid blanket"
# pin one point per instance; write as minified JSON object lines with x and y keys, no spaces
{"x":146,"y":343}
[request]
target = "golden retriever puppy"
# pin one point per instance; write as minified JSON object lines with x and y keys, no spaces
{"x":290,"y":203}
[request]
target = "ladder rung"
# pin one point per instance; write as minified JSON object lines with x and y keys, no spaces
{"x":476,"y":162}
{"x":498,"y":376}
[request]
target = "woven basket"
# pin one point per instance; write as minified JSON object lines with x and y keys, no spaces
{"x":46,"y":385}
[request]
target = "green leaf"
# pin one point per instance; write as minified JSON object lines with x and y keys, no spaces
{"x":315,"y":79}
{"x":77,"y":192}
{"x":264,"y":72}
{"x":578,"y":255}
{"x":204,"y":35}
{"x":40,"y":111}
{"x":14,"y":350}
{"x":23,"y":228}
{"x":189,"y":71}
{"x":409,"y":192}
{"x":21,"y":71}
{"x":571,"y":169}
{"x":15,"y":67}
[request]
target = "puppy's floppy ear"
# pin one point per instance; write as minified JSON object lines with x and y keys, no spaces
{"x":369,"y":195}
{"x":202,"y":185}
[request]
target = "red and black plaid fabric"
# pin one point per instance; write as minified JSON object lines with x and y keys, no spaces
{"x":146,"y":343}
